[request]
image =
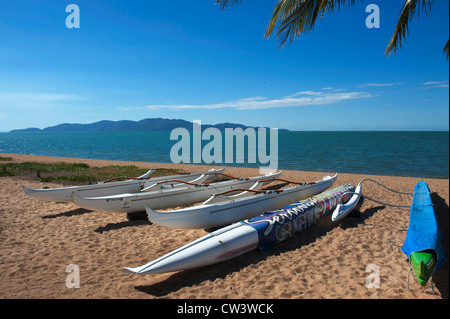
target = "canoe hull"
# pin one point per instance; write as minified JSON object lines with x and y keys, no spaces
{"x":224,"y":213}
{"x":67,"y":194}
{"x":165,"y":198}
{"x":229,"y":242}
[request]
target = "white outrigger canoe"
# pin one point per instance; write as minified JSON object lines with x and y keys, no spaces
{"x":134,"y":185}
{"x":167,"y":197}
{"x":221,"y":210}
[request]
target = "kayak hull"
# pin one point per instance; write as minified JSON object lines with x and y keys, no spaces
{"x":423,"y":243}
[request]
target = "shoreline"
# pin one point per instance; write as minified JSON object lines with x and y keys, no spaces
{"x":188,"y":167}
{"x":405,"y":154}
{"x":39,"y":239}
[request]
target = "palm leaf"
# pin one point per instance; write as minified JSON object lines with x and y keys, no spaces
{"x":446,"y":49}
{"x":227,"y":3}
{"x":282,"y":9}
{"x":401,"y":29}
{"x":291,"y":18}
{"x":295,"y":17}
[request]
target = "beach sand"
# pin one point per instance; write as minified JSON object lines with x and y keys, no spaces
{"x":39,"y":239}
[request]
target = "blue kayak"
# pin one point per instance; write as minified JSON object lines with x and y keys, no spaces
{"x":422,"y":246}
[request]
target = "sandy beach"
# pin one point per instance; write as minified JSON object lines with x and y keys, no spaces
{"x":39,"y":239}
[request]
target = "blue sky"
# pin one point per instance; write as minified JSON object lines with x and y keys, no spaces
{"x":191,"y":60}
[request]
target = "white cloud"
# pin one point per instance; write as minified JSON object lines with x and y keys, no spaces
{"x":299,"y":99}
{"x":379,"y":84}
{"x":435,"y":84}
{"x":125,"y":108}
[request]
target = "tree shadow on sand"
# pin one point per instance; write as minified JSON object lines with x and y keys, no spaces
{"x":193,"y":277}
{"x":115,"y":226}
{"x":72,"y":212}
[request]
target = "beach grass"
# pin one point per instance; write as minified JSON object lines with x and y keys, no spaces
{"x":74,"y":173}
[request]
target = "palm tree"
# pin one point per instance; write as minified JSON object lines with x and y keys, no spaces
{"x":291,"y":18}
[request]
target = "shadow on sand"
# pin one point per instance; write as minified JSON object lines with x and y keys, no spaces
{"x":73,"y":212}
{"x":441,"y":209}
{"x":115,"y":226}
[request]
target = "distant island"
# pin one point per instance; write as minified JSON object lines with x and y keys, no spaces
{"x":151,"y":124}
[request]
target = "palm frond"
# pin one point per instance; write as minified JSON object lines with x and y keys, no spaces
{"x":227,"y":3}
{"x":282,"y":9}
{"x":291,"y":18}
{"x":446,"y":49}
{"x":401,"y":29}
{"x":295,"y":17}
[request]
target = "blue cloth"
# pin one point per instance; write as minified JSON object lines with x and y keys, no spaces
{"x":423,"y":232}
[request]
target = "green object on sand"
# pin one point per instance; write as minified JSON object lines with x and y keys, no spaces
{"x":423,"y":264}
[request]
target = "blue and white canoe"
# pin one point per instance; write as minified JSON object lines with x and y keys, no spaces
{"x":262,"y":232}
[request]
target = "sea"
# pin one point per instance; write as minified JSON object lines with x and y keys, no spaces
{"x":414,"y":154}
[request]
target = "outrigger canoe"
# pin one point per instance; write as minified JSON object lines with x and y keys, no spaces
{"x":261,"y":232}
{"x":422,"y":245}
{"x":168,"y":197}
{"x":221,"y":210}
{"x":134,"y":185}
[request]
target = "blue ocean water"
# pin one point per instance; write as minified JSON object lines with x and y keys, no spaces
{"x":416,"y":154}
